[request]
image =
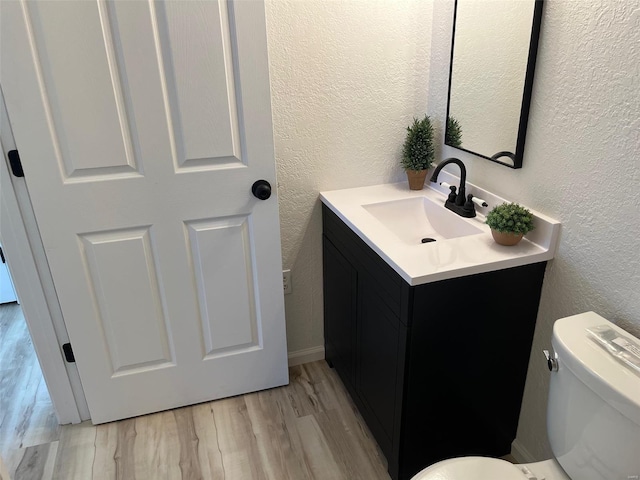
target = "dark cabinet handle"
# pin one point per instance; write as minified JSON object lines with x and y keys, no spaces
{"x":261,"y":189}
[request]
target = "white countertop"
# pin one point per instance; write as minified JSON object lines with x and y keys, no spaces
{"x":456,"y":257}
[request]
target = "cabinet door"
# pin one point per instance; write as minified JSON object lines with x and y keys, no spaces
{"x":340,"y":310}
{"x":378,"y":350}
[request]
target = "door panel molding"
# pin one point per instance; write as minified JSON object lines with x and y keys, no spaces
{"x":86,"y":101}
{"x":142,"y":342}
{"x":204,"y":122}
{"x":226,"y":280}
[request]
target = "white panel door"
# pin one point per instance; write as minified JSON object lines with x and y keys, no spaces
{"x":142,"y":127}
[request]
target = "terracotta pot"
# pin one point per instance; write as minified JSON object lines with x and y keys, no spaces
{"x":507,"y":239}
{"x":416,"y":179}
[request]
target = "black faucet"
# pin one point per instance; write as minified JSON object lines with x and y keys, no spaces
{"x":457,"y":203}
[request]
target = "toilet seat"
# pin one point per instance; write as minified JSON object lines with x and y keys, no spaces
{"x":471,"y":468}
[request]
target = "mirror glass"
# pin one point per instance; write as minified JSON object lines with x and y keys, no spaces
{"x":492,"y":62}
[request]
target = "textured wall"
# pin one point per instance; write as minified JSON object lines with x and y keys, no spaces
{"x":346,"y":79}
{"x":581,"y":166}
{"x":347,"y":76}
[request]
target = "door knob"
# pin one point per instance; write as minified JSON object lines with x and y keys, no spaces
{"x":261,"y":189}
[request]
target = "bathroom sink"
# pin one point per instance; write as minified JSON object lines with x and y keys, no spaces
{"x":420,"y":220}
{"x":424,"y":242}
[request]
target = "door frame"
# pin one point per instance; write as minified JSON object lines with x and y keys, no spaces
{"x":33,"y":283}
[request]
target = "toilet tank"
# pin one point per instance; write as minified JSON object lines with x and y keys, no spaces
{"x":593,"y":416}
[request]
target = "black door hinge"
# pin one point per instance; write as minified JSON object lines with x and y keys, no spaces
{"x":68,"y":353}
{"x":2,"y":256}
{"x":16,"y":164}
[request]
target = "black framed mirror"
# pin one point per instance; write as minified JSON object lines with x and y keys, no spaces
{"x":493,"y":56}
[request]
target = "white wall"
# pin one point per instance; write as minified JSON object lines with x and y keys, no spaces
{"x":347,"y":76}
{"x":346,"y":79}
{"x":581,"y":166}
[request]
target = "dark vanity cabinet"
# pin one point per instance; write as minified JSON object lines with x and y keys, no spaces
{"x":436,"y":370}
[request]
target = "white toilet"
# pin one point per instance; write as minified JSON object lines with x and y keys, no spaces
{"x":593,"y":417}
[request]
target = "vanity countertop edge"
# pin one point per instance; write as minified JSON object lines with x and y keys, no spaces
{"x":456,"y":257}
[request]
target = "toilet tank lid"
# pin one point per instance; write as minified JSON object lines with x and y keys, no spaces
{"x":613,"y":381}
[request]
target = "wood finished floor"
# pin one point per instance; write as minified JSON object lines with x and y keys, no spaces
{"x":27,"y":418}
{"x":309,"y":429}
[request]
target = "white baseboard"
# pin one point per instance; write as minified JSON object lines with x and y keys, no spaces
{"x":306,"y":355}
{"x":520,"y":453}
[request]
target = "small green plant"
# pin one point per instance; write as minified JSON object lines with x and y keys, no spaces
{"x":510,"y":218}
{"x":453,"y":133}
{"x":418,"y":150}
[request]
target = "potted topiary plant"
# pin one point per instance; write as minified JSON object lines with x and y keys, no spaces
{"x":418,"y":152}
{"x":509,"y":222}
{"x":453,"y":133}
